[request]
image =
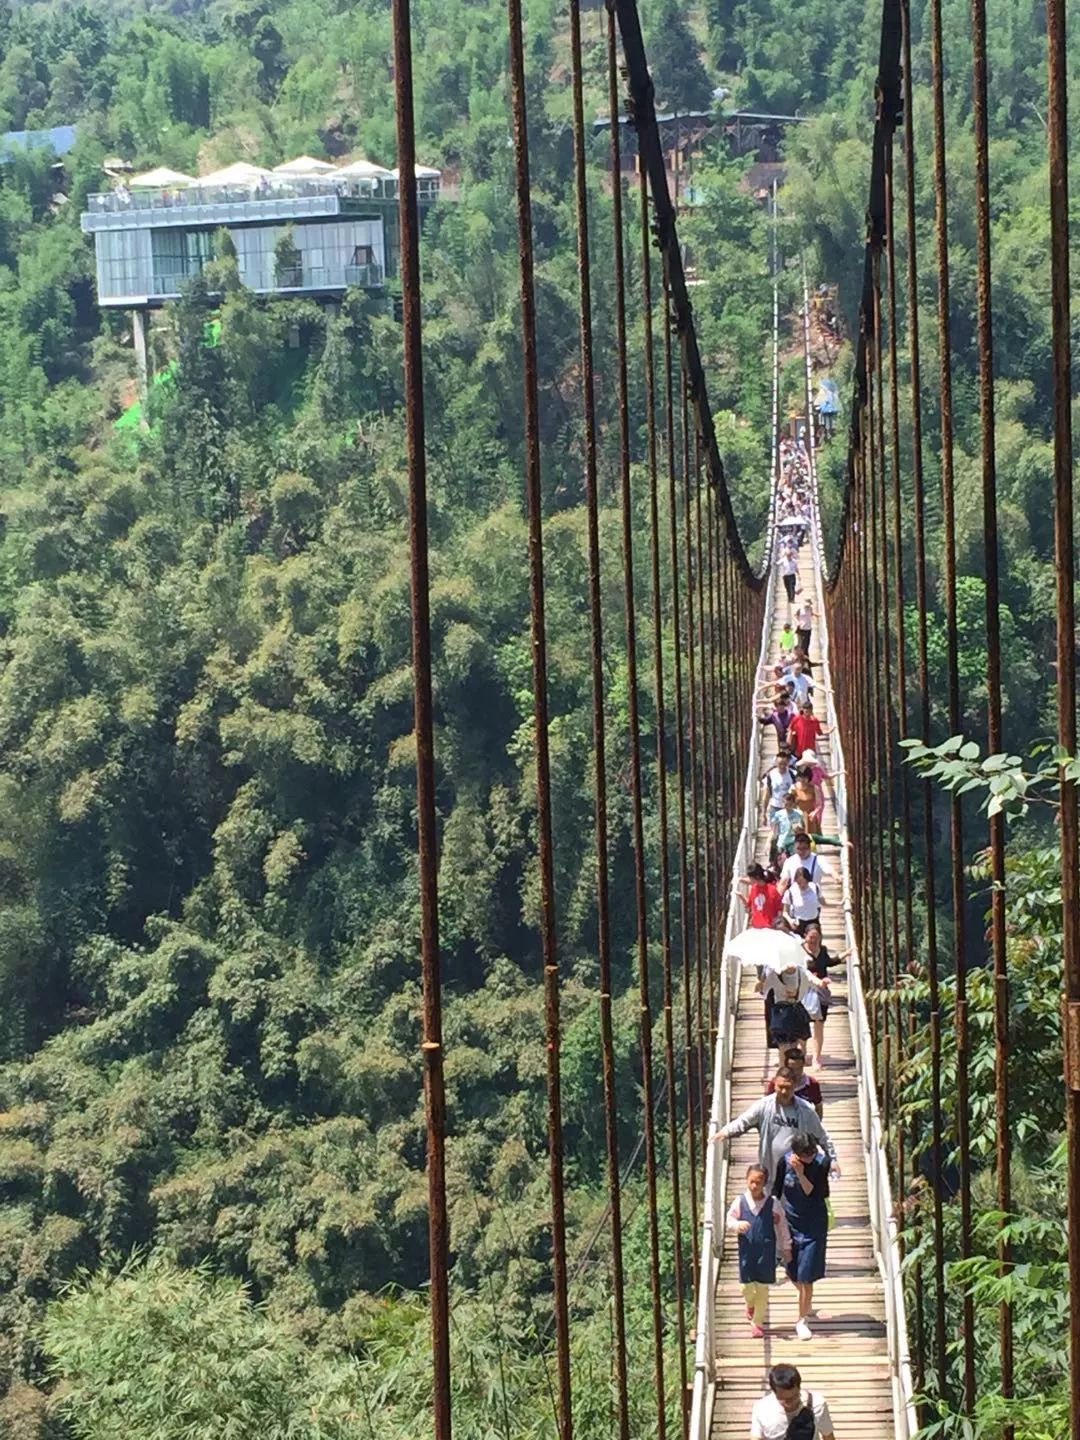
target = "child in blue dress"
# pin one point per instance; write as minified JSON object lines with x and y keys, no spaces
{"x":805,"y":1197}
{"x":759,"y":1221}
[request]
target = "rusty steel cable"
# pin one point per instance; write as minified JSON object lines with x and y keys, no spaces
{"x":423,"y":709}
{"x":876,"y":619}
{"x":695,"y":818}
{"x":899,"y":588}
{"x":708,"y":791}
{"x":995,"y":738}
{"x":921,"y":606}
{"x":948,"y":499}
{"x":1065,"y":566}
{"x":680,"y":779}
{"x":599,"y":727}
{"x":902,"y":734}
{"x":626,"y":511}
{"x":545,"y":844}
{"x":660,"y":700}
{"x":891,"y":917}
{"x":719,"y":785}
{"x":879,"y":627}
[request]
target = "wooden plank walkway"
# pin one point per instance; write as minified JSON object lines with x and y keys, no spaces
{"x":847,"y":1356}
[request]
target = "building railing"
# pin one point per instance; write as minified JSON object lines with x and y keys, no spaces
{"x":123,"y":200}
{"x":369,"y":277}
{"x":170,"y":282}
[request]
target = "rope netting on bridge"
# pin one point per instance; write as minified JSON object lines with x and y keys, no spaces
{"x":713,"y":618}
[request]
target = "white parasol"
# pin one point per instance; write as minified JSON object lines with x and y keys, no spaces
{"x":773,"y":949}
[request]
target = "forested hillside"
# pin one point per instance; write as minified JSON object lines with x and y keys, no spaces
{"x":211,"y":1121}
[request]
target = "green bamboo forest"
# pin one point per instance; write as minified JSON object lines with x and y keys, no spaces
{"x":213,"y":1204}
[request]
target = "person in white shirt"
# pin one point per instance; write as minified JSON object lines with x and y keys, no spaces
{"x":802,"y":860}
{"x":789,"y":1410}
{"x":801,"y":684}
{"x":778,"y":781}
{"x":761,"y":1225}
{"x":802,"y":901}
{"x":788,"y":565}
{"x":804,"y":623}
{"x":796,"y":1002}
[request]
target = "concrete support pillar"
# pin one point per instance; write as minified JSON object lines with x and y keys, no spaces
{"x":140,"y":332}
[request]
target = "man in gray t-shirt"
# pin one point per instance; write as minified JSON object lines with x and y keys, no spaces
{"x":776,"y":1118}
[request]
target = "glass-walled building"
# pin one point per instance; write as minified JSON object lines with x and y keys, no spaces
{"x":315,"y":237}
{"x":306,"y":228}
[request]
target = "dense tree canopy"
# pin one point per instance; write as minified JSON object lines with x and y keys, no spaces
{"x":211,"y":1121}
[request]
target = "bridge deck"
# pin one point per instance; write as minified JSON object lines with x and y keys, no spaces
{"x":847,"y":1355}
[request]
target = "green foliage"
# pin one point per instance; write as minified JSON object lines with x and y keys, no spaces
{"x":1005,"y":785}
{"x":209,"y":928}
{"x":1036,"y":1284}
{"x":172,"y":1354}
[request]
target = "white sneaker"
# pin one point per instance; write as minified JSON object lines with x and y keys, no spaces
{"x":803,"y":1331}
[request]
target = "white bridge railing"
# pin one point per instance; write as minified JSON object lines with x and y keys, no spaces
{"x":882,"y":1218}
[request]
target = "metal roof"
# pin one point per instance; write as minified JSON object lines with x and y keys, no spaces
{"x":59,"y":140}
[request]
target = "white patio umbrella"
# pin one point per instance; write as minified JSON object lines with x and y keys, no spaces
{"x":364,"y":170}
{"x":773,"y":949}
{"x":160,"y":178}
{"x":304,"y":165}
{"x":239,"y":173}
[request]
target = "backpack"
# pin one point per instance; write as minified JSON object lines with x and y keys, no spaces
{"x":803,"y":1424}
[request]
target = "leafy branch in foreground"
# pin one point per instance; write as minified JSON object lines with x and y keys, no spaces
{"x":1011,"y":784}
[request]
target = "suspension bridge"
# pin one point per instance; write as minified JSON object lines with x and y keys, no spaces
{"x":884,"y":1341}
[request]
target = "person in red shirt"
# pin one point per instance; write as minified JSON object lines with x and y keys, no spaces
{"x":804,"y":730}
{"x":764,"y":901}
{"x":765,"y":905}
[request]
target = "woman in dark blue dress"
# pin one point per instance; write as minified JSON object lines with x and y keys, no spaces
{"x":806,"y":1191}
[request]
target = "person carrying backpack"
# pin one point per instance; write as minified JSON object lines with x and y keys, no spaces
{"x":788,"y":1412}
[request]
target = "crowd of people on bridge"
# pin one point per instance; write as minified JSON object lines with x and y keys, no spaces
{"x":782,"y":1216}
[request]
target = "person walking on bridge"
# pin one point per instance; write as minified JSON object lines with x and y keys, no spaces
{"x":805,"y":730}
{"x":778,"y":1118}
{"x":788,"y":1412}
{"x":802,"y":860}
{"x":763,"y":901}
{"x":761,"y":1225}
{"x":776,"y":784}
{"x":805,"y":1193}
{"x":788,"y":565}
{"x":804,"y":623}
{"x":780,"y":717}
{"x":806,"y":1087}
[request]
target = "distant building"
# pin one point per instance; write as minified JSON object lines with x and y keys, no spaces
{"x":60,"y":139}
{"x":154,"y":232}
{"x":683,"y":136}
